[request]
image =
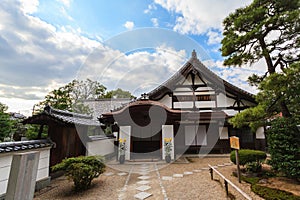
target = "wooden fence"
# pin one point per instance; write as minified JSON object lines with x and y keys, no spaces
{"x":226,"y":182}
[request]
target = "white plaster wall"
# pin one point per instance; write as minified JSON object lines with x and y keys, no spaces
{"x":187,"y":104}
{"x":204,"y":89}
{"x":188,"y":81}
{"x":205,"y":104}
{"x":223,"y":101}
{"x":190,"y":93}
{"x":125,"y":133}
{"x":100,"y":147}
{"x":190,"y":133}
{"x":183,"y":89}
{"x":223,"y":133}
{"x":5,"y":164}
{"x":198,"y":81}
{"x":167,"y":132}
{"x":167,"y":101}
{"x":260,"y":133}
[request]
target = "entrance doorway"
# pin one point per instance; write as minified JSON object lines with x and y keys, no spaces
{"x":145,"y":143}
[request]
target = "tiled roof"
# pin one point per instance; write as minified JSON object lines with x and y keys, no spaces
{"x":195,"y":65}
{"x":101,"y":106}
{"x":6,"y":147}
{"x":62,"y":116}
{"x":144,"y":102}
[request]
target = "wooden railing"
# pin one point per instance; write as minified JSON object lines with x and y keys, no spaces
{"x":226,"y":182}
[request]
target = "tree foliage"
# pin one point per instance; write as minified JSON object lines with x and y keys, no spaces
{"x":266,"y":29}
{"x":6,"y":124}
{"x":273,"y":90}
{"x":118,"y":93}
{"x":71,"y":96}
{"x":284,"y":146}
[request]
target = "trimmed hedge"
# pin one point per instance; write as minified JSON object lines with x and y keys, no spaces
{"x":248,"y":156}
{"x":284,"y":146}
{"x":82,"y":170}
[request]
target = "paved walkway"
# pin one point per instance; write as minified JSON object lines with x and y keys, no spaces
{"x":145,"y":181}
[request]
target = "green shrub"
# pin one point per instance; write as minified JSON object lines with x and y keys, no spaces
{"x":284,"y":147}
{"x":248,"y":156}
{"x":82,"y":170}
{"x":254,"y":167}
{"x":268,"y":193}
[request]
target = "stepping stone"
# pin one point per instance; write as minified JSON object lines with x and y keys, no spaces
{"x":167,"y":178}
{"x":177,"y":175}
{"x":142,"y":195}
{"x":144,"y":177}
{"x":197,"y":170}
{"x":143,"y":188}
{"x":143,"y":182}
{"x":205,"y":168}
{"x":227,"y":164}
{"x":187,"y":173}
{"x":122,"y":174}
{"x":108,"y":174}
{"x":143,"y":173}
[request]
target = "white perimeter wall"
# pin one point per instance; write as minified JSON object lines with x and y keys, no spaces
{"x":100,"y":147}
{"x":5,"y":164}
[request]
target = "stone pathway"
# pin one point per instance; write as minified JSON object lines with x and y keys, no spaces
{"x":144,"y":181}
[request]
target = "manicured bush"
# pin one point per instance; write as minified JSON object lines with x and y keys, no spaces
{"x":248,"y":156}
{"x":284,"y":147}
{"x":82,"y":170}
{"x":254,"y":167}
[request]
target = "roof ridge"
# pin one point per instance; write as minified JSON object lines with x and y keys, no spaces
{"x":50,"y":110}
{"x":195,"y":63}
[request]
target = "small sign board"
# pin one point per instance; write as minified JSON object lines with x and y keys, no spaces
{"x":234,"y":142}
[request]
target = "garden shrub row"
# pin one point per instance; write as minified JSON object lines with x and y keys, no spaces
{"x":248,"y":156}
{"x":269,"y":193}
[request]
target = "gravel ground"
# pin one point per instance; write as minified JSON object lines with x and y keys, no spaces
{"x":195,"y":186}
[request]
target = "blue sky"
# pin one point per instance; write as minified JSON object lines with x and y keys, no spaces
{"x":131,"y":44}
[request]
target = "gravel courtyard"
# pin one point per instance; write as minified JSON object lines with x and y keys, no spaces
{"x":148,"y":180}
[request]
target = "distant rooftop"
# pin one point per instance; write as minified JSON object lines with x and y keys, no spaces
{"x":61,"y":116}
{"x":101,"y":106}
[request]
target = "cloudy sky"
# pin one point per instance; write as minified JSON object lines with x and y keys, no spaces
{"x":134,"y":45}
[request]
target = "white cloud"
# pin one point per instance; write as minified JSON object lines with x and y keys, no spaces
{"x":36,"y":56}
{"x":129,"y":25}
{"x":65,"y":14}
{"x":214,"y":37}
{"x":66,"y":3}
{"x":236,"y":75}
{"x":197,"y":17}
{"x":154,"y":22}
{"x":29,"y":6}
{"x":150,"y":8}
{"x":138,"y":72}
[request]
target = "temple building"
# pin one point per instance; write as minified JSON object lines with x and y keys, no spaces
{"x":191,"y":110}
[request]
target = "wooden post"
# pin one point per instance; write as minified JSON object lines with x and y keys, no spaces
{"x":237,"y":160}
{"x":235,"y":144}
{"x":211,"y":173}
{"x":226,"y":186}
{"x":40,"y":131}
